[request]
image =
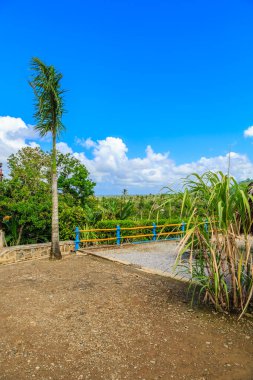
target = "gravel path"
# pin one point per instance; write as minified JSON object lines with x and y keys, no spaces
{"x":158,"y":256}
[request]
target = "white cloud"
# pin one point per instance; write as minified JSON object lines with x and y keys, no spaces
{"x":64,"y":148}
{"x":86,"y":143}
{"x":113,"y":170}
{"x":33,"y":144}
{"x":14,"y":134}
{"x":248,"y":132}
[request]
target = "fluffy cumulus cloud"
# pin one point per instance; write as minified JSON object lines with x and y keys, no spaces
{"x":14,"y":134}
{"x":110,"y":166}
{"x":86,"y":143}
{"x":248,"y":132}
{"x":113,"y":170}
{"x":63,"y":148}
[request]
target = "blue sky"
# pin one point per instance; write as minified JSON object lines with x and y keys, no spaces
{"x":173,"y":75}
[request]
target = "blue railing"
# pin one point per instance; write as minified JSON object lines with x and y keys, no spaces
{"x":155,"y":235}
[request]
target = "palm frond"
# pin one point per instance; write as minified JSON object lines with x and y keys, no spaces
{"x":49,"y":102}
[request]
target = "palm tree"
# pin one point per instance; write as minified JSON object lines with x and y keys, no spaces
{"x":48,"y":114}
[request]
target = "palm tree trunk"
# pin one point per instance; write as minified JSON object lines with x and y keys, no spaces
{"x":55,"y":246}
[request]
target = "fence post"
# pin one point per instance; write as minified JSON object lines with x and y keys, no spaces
{"x":206,"y":226}
{"x":1,"y":239}
{"x":154,"y":232}
{"x":118,"y":235}
{"x":77,"y":240}
{"x":183,"y":228}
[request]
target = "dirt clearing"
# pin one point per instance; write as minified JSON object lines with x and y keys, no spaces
{"x":89,"y":318}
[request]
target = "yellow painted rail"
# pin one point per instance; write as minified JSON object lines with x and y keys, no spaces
{"x":169,"y":225}
{"x":94,"y":240}
{"x":130,"y":228}
{"x":99,"y":230}
{"x":170,"y":233}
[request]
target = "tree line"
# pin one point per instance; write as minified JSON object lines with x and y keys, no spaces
{"x":26,"y":202}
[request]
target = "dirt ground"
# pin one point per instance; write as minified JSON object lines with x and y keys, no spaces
{"x":88,"y":318}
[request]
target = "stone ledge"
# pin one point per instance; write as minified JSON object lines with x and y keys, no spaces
{"x":32,"y":251}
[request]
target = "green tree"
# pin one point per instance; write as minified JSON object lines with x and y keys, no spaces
{"x":116,"y":208}
{"x":24,"y":197}
{"x":73,"y":179}
{"x":26,"y":204}
{"x":49,"y":109}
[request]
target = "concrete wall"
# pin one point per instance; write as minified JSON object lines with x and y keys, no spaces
{"x":32,"y":251}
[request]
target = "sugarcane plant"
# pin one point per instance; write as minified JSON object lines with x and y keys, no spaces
{"x":218,"y":239}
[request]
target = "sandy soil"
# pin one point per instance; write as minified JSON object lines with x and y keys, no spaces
{"x":89,"y":318}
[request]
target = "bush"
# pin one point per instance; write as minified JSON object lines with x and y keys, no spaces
{"x":69,"y":218}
